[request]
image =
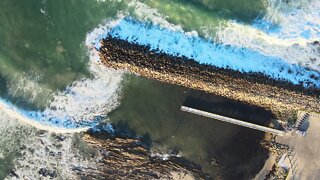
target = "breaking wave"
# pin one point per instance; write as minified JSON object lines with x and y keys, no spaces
{"x":288,"y":31}
{"x":295,"y":19}
{"x":35,"y":154}
{"x":279,"y":45}
{"x":179,"y":43}
{"x":82,"y":105}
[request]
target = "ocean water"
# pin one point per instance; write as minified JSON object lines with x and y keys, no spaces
{"x":169,"y":131}
{"x":51,"y":77}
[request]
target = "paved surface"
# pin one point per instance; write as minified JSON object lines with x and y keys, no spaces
{"x":304,"y":151}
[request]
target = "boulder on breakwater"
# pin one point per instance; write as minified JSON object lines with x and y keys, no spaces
{"x":283,"y":98}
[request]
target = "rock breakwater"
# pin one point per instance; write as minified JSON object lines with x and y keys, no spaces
{"x":282,"y":98}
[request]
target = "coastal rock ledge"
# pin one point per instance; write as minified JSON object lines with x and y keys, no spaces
{"x":127,"y":158}
{"x":282,"y":98}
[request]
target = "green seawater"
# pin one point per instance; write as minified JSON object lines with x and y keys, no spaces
{"x":42,"y":51}
{"x":43,"y":40}
{"x":155,"y":108}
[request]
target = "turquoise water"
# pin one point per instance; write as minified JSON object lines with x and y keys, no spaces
{"x":50,"y":74}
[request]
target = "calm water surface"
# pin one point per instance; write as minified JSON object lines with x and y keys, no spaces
{"x":157,"y":116}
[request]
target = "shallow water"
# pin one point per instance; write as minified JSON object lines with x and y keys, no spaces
{"x":152,"y":110}
{"x":50,"y":74}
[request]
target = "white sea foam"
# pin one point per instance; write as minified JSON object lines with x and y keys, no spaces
{"x":9,"y":133}
{"x":244,"y":48}
{"x":56,"y":156}
{"x":294,"y":51}
{"x":75,"y":109}
{"x":269,"y":55}
{"x":32,"y":118}
{"x":100,"y":32}
{"x":179,"y":43}
{"x":31,"y":150}
{"x":295,"y":18}
{"x":163,"y":153}
{"x":86,"y":100}
{"x":287,"y":31}
{"x":27,"y":87}
{"x":146,"y":13}
{"x":83,"y":104}
{"x":24,"y":85}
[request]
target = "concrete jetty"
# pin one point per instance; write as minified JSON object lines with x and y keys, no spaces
{"x":231,"y":120}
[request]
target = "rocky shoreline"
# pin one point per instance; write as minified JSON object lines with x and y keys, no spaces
{"x":282,"y":98}
{"x":277,"y":150}
{"x":128,"y":158}
{"x":99,"y":154}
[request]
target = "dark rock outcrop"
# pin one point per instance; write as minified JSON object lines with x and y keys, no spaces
{"x":127,"y":158}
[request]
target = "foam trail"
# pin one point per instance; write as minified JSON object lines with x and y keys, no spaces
{"x":179,"y":43}
{"x":93,"y":38}
{"x":31,"y":151}
{"x":292,"y":19}
{"x":25,"y":117}
{"x":258,"y":36}
{"x":287,"y":31}
{"x":83,"y":104}
{"x":24,"y":85}
{"x":21,"y":85}
{"x":80,"y":106}
{"x":294,"y":51}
